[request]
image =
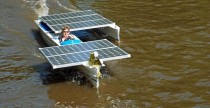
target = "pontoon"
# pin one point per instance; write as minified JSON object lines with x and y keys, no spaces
{"x":87,"y":55}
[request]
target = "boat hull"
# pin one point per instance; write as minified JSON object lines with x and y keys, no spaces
{"x":89,"y":71}
{"x":92,"y":74}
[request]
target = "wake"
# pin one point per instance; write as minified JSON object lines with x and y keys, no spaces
{"x":41,"y":7}
{"x":70,"y":8}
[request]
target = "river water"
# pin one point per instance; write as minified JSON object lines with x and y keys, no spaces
{"x":169,"y":43}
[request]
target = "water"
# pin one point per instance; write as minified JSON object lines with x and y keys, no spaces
{"x":169,"y":42}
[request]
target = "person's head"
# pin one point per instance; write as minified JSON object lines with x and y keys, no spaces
{"x":65,"y":31}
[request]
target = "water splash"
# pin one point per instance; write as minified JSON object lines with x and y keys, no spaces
{"x":43,"y":10}
{"x":39,"y":6}
{"x":69,"y":8}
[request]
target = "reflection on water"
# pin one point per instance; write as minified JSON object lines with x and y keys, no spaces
{"x":169,"y":65}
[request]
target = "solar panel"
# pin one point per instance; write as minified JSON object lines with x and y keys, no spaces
{"x":77,"y":54}
{"x":78,"y":20}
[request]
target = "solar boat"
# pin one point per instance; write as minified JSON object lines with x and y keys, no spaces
{"x":89,"y":55}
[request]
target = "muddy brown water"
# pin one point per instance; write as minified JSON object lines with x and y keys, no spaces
{"x":169,"y":43}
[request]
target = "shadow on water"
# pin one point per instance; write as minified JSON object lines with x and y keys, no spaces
{"x":49,"y":75}
{"x":72,"y":74}
{"x":38,"y":38}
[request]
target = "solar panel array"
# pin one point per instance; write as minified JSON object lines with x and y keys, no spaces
{"x":77,"y":54}
{"x":75,"y":20}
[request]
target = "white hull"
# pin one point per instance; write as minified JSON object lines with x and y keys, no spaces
{"x":50,"y":28}
{"x":89,"y":71}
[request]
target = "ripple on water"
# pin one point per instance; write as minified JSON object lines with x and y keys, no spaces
{"x":13,"y":75}
{"x":203,"y":83}
{"x":161,"y":76}
{"x":208,"y":56}
{"x":4,"y":43}
{"x":118,"y":103}
{"x":188,"y":69}
{"x":14,"y":67}
{"x":164,"y":45}
{"x":131,"y":90}
{"x":201,"y":106}
{"x":178,"y":97}
{"x":155,"y":31}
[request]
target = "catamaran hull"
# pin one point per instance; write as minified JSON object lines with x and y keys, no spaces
{"x":92,"y":74}
{"x":50,"y":27}
{"x":89,"y":71}
{"x":47,"y":38}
